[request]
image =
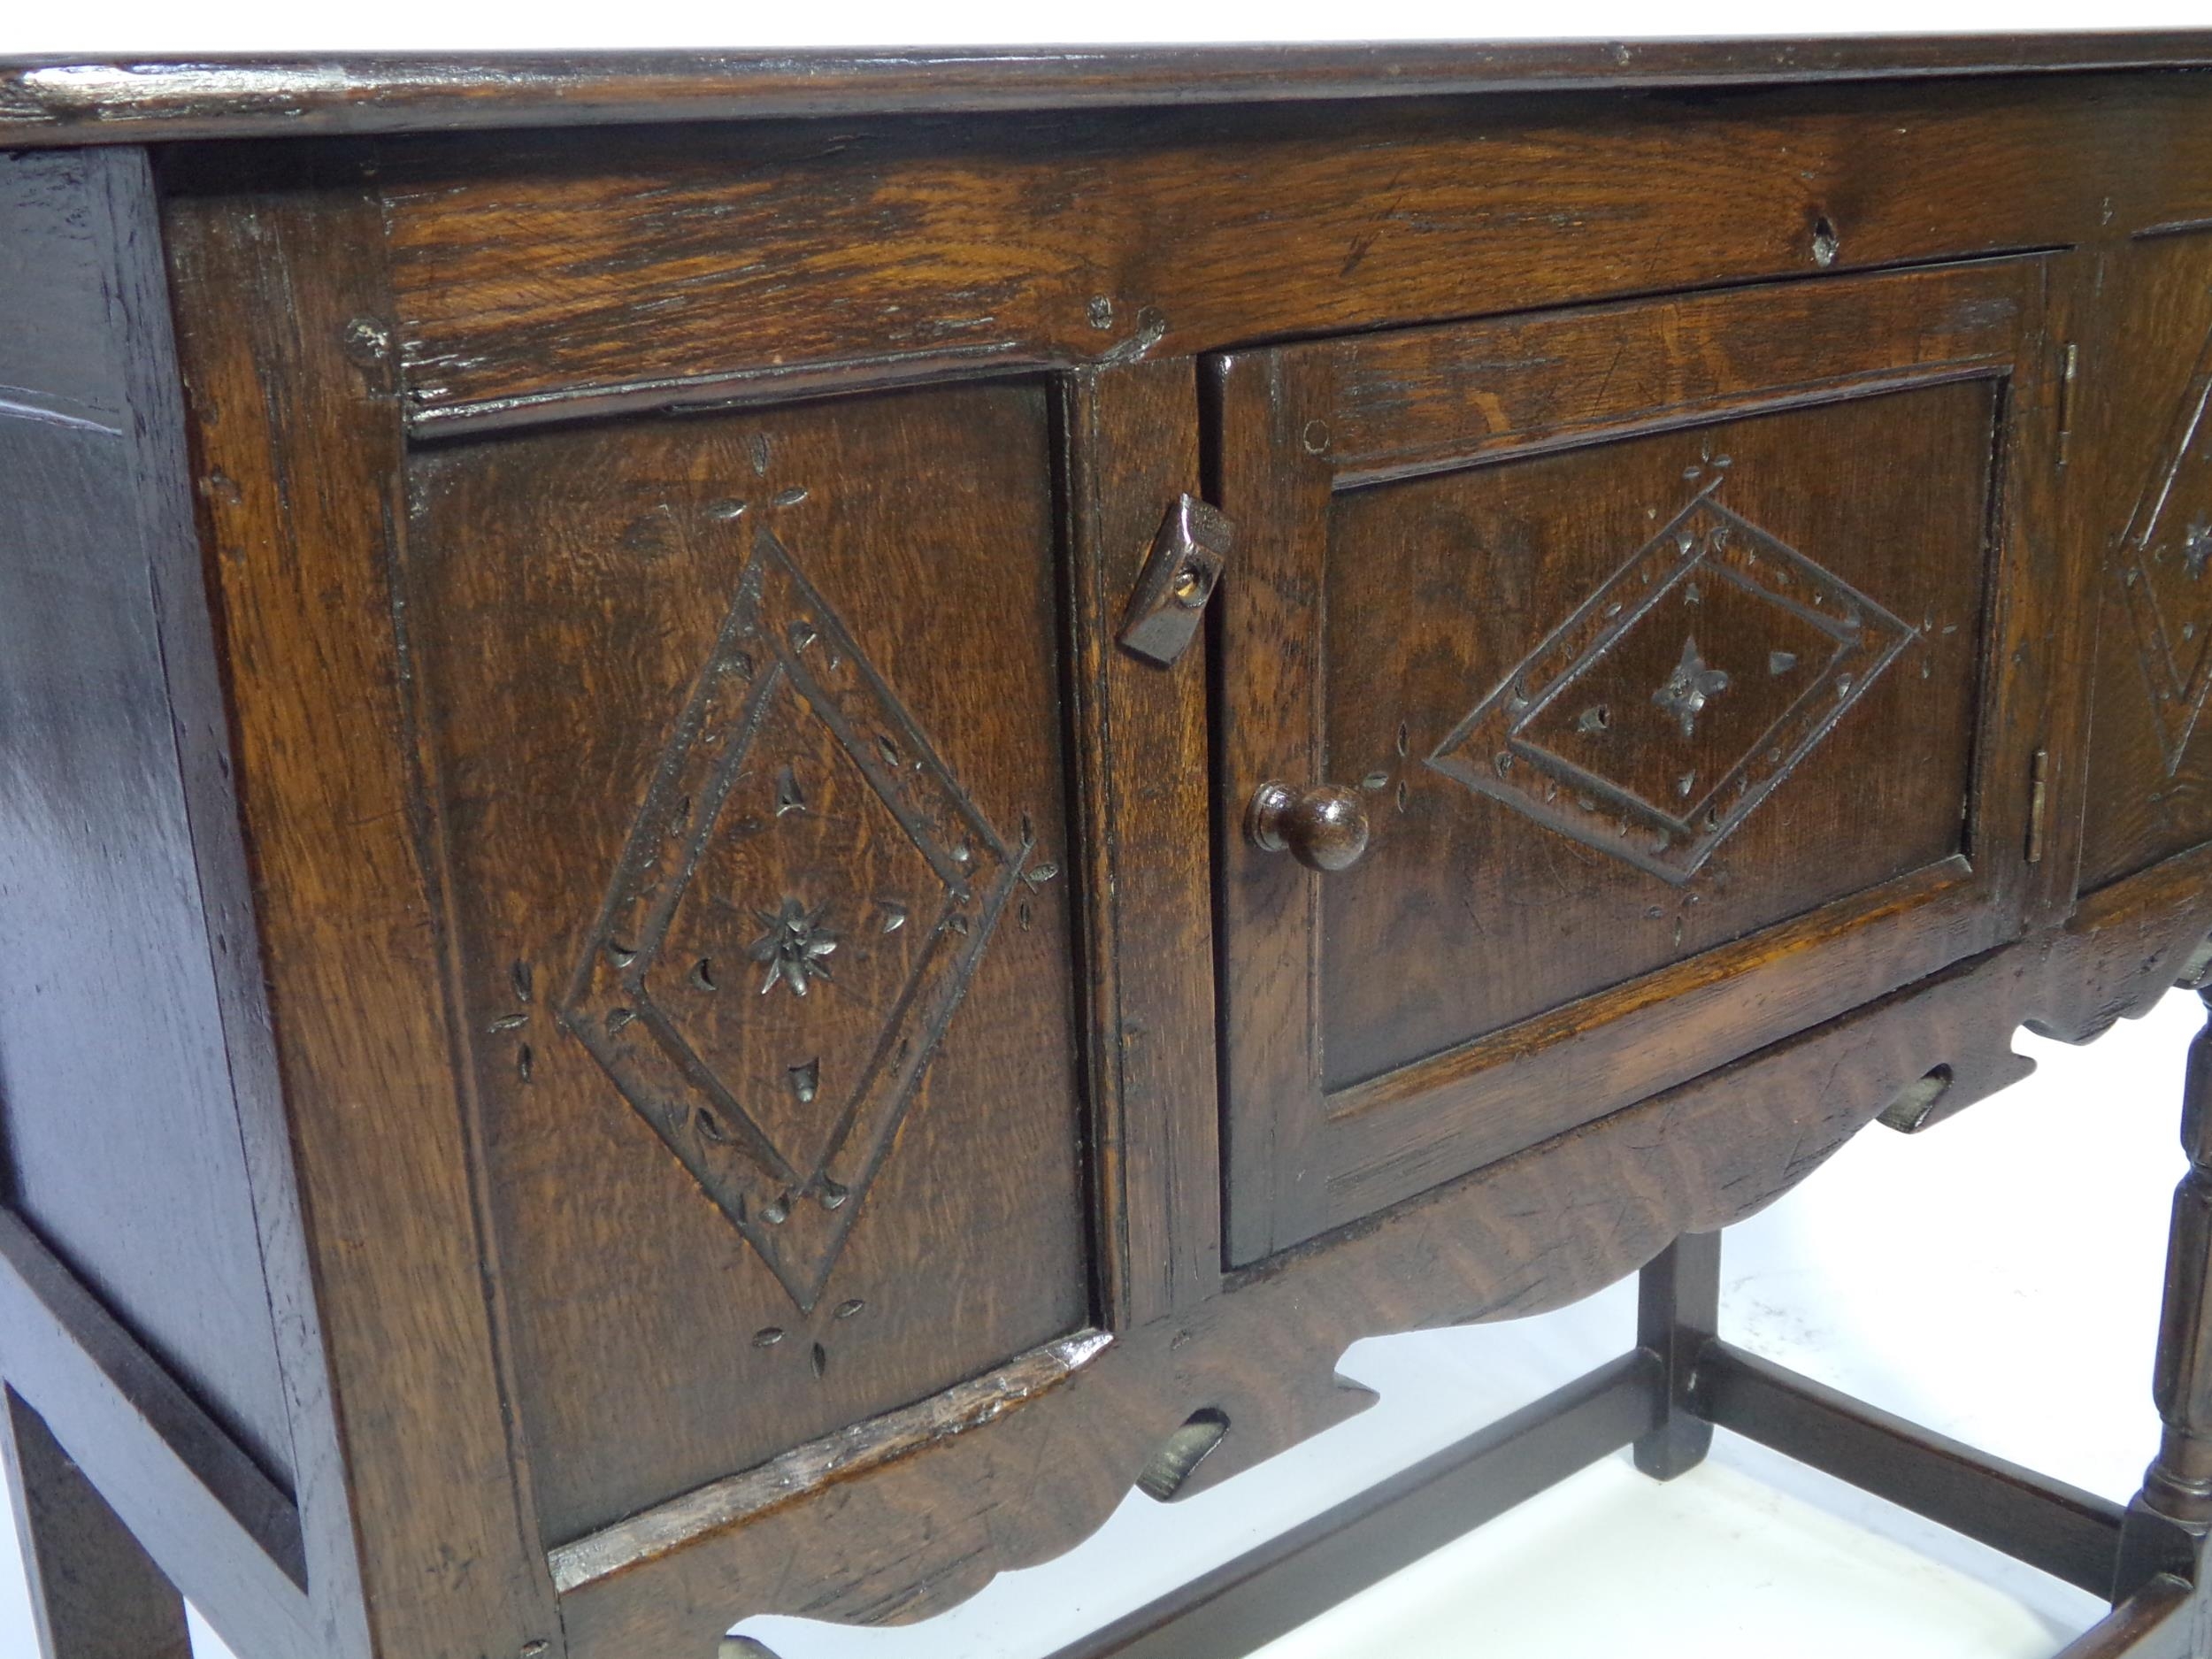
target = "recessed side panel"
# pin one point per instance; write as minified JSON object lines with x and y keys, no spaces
{"x":2147,"y":472}
{"x":1617,"y":705}
{"x":747,"y":738}
{"x":122,"y":1142}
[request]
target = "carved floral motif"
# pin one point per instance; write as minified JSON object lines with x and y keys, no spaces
{"x":795,"y":948}
{"x":1690,"y":687}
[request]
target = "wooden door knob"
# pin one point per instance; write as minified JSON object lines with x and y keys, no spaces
{"x":1324,"y":827}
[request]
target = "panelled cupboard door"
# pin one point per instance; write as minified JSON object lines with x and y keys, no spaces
{"x":2147,"y":394}
{"x":1654,"y":643}
{"x":746,"y":741}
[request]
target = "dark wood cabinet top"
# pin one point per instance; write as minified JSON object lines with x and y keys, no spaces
{"x":121,"y":100}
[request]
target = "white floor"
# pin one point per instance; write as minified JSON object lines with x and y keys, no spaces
{"x":1996,"y":1278}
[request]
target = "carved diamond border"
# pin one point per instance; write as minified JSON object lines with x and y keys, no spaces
{"x":1489,"y":753}
{"x":780,"y":634}
{"x":2177,"y":700}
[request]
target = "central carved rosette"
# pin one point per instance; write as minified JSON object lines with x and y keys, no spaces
{"x":795,"y":948}
{"x":1690,"y":687}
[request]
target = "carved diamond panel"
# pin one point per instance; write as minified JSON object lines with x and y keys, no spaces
{"x":1643,"y":725}
{"x":800,"y":906}
{"x":2164,"y":554}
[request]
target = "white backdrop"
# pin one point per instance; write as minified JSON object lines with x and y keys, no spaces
{"x":1996,"y":1278}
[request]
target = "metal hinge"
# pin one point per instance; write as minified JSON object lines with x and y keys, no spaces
{"x":2039,"y":793}
{"x":2069,"y":372}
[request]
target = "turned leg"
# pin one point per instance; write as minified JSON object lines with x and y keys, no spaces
{"x":2169,"y":1521}
{"x":1678,"y":1311}
{"x":94,"y":1593}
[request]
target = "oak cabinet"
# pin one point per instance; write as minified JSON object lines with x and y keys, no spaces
{"x":762,"y":821}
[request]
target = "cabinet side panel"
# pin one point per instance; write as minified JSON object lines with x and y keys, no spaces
{"x":123,"y":1145}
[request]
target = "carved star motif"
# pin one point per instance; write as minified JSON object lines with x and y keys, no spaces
{"x":2196,"y":548}
{"x":793,"y":947}
{"x":1690,"y":687}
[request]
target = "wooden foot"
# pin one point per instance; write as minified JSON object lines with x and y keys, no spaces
{"x":94,"y":1593}
{"x":1677,"y":1312}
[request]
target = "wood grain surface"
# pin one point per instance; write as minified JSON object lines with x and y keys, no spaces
{"x":638,"y":271}
{"x":89,"y":101}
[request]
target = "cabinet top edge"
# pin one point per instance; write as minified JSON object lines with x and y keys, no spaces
{"x":62,"y":101}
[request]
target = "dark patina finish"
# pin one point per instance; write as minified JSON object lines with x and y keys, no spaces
{"x":747,"y":852}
